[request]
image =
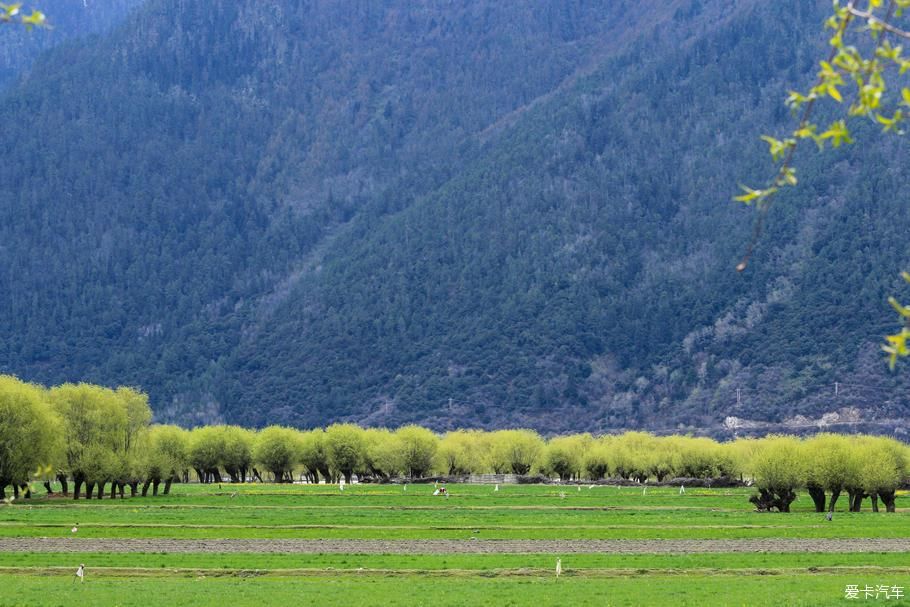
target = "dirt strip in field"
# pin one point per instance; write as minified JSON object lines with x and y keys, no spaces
{"x":452,"y":546}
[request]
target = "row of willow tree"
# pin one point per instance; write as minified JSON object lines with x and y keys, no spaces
{"x":94,"y":436}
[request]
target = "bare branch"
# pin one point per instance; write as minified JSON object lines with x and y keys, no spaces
{"x":872,"y":19}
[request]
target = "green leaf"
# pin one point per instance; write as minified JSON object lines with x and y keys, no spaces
{"x":36,"y":19}
{"x":749,"y":195}
{"x":902,"y":310}
{"x":796,"y":99}
{"x":11,"y":9}
{"x":777,"y":147}
{"x":790,"y":176}
{"x":838,"y":133}
{"x":890,"y":124}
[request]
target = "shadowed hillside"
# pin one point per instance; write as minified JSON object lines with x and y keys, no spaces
{"x":478,"y":214}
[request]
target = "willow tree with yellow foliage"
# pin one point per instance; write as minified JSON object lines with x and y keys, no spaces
{"x":29,"y":434}
{"x":104,"y":435}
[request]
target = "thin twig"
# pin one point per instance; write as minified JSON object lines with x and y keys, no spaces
{"x":883,"y":23}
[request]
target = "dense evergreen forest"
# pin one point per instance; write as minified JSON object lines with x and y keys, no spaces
{"x":476,"y":214}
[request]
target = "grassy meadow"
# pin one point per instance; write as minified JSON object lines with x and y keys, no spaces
{"x":412,"y":575}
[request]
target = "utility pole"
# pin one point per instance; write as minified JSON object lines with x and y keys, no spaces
{"x":836,"y":388}
{"x":738,"y":398}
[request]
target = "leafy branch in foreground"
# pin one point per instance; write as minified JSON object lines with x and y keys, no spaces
{"x":863,"y":77}
{"x":12,"y":13}
{"x":897,"y":343}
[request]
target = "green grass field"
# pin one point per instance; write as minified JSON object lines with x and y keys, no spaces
{"x":30,"y":576}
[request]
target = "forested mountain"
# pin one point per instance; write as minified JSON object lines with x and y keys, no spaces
{"x":460,"y":214}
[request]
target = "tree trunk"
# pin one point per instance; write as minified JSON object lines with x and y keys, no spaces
{"x":785,"y":499}
{"x":89,"y":489}
{"x":818,"y":496}
{"x":834,"y":495}
{"x":134,"y":486}
{"x":243,"y":473}
{"x":888,"y":498}
{"x":47,"y":486}
{"x":155,"y":484}
{"x":257,"y":475}
{"x":762,"y":501}
{"x":767,"y":500}
{"x":856,"y":500}
{"x":347,"y":476}
{"x":167,"y":485}
{"x":145,"y":487}
{"x":63,"y":484}
{"x":100,"y":489}
{"x":15,"y":491}
{"x":27,"y":489}
{"x":77,"y":487}
{"x":200,"y":474}
{"x":217,"y":475}
{"x":2,"y":490}
{"x":874,"y":497}
{"x":113,"y":490}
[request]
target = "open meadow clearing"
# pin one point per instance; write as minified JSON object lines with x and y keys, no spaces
{"x":384,"y":544}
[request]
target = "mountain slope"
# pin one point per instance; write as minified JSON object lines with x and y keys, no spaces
{"x":471,"y":215}
{"x":561,"y":271}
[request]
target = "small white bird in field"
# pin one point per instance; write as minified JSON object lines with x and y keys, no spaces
{"x":558,"y":568}
{"x":497,"y":487}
